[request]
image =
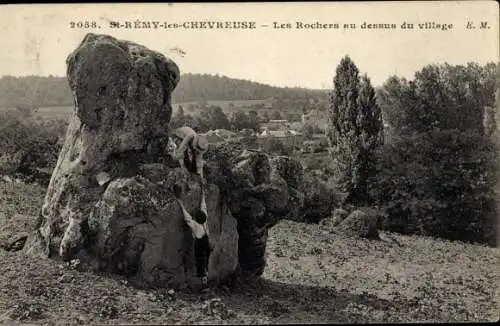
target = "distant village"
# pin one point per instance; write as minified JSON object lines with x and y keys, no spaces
{"x":304,"y":132}
{"x":289,"y":133}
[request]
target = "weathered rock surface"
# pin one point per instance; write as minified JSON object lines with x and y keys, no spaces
{"x":137,"y":230}
{"x":110,"y":201}
{"x":270,"y":190}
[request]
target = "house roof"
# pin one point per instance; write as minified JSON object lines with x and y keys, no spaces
{"x":279,"y":133}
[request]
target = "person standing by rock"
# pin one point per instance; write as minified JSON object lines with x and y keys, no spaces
{"x":199,"y":228}
{"x":188,"y":148}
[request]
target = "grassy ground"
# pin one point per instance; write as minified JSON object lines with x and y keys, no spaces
{"x":312,"y":276}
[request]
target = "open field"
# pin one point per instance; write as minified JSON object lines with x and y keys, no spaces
{"x":226,"y":104}
{"x":55,"y":112}
{"x":312,"y":276}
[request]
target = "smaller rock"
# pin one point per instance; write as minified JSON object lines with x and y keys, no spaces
{"x":360,"y":224}
{"x":7,"y":179}
{"x":14,"y":231}
{"x":17,"y":243}
{"x":74,"y":262}
{"x":339,"y":215}
{"x":328,"y":222}
{"x":216,"y":308}
{"x":65,"y":278}
{"x":340,"y":212}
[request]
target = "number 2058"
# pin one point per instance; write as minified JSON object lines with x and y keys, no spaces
{"x":83,"y":24}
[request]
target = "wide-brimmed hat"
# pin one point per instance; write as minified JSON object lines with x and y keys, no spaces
{"x":200,"y":143}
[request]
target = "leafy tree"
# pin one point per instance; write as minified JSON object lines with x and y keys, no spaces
{"x":196,"y":123}
{"x":254,"y":121}
{"x":215,"y":118}
{"x":440,"y":97}
{"x":276,"y":115}
{"x":438,"y":183}
{"x":265,"y":117}
{"x":402,"y":108}
{"x":308,"y":131}
{"x":178,"y":119}
{"x":438,"y":176}
{"x":240,"y":120}
{"x":490,"y":126}
{"x":275,"y":146}
{"x":369,"y":119}
{"x":355,"y":128}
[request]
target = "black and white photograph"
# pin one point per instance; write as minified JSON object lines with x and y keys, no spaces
{"x":249,"y":163}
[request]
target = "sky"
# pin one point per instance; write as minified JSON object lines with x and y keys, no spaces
{"x":36,"y":38}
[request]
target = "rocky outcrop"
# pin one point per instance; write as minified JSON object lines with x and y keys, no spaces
{"x":268,"y":190}
{"x":110,"y":200}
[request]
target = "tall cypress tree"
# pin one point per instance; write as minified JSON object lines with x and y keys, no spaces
{"x":355,"y":130}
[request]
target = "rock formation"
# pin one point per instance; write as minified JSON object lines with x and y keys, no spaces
{"x":360,"y":223}
{"x":110,"y":200}
{"x":268,"y":190}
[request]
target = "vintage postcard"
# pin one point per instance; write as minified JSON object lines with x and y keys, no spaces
{"x":249,"y":163}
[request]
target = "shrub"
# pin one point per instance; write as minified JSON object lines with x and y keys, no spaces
{"x":29,"y":145}
{"x":440,"y":184}
{"x":319,"y":199}
{"x":275,"y":146}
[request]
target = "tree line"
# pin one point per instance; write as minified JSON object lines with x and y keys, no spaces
{"x":199,"y":87}
{"x":213,"y":117}
{"x":436,"y":174}
{"x":38,"y":91}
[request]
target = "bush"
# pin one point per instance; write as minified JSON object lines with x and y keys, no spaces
{"x":319,"y":199}
{"x":275,"y":146}
{"x":29,"y":146}
{"x":439,"y":184}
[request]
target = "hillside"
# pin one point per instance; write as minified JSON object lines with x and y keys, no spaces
{"x":196,"y":87}
{"x":53,"y":91}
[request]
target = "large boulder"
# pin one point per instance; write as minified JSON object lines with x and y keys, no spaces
{"x":110,"y":200}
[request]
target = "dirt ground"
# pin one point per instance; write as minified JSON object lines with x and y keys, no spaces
{"x":312,"y":276}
